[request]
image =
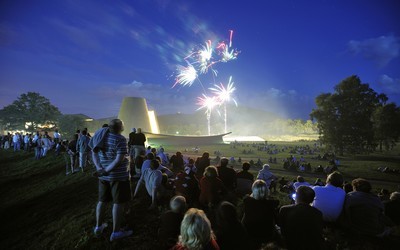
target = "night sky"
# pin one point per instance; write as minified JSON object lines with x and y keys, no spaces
{"x":85,"y":56}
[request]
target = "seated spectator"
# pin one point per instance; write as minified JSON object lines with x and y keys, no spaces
{"x":211,"y":188}
{"x":392,"y":208}
{"x":347,"y":187}
{"x":139,"y":160}
{"x":227,"y":175}
{"x":244,"y":180}
{"x":329,"y":199}
{"x":300,"y":182}
{"x":364,"y":211}
{"x":147,"y":162}
{"x":164,"y":169}
{"x":259,"y":215}
{"x":152,"y":178}
{"x":170,"y":222}
{"x":266,"y":175}
{"x":201,"y":164}
{"x":163,"y":157}
{"x":177,"y":162}
{"x":229,"y":231}
{"x":384,"y":194}
{"x":301,"y":224}
{"x":187,"y":185}
{"x":196,"y":232}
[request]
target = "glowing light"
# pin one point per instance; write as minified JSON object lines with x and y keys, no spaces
{"x":186,"y":75}
{"x":153,"y":122}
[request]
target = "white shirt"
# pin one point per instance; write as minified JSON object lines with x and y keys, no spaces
{"x":329,"y":200}
{"x":152,"y":179}
{"x":57,"y":135}
{"x":15,"y":138}
{"x":26,"y":139}
{"x":145,"y":165}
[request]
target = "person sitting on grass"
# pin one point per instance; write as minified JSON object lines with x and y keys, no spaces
{"x":301,"y":224}
{"x":269,"y":178}
{"x":152,"y":178}
{"x":170,"y":222}
{"x":109,"y":150}
{"x":329,"y":199}
{"x":260,"y":214}
{"x":244,"y":180}
{"x":300,"y":182}
{"x":196,"y":233}
{"x":227,"y":175}
{"x":230,"y":233}
{"x":392,"y":207}
{"x":187,"y":184}
{"x":211,"y":188}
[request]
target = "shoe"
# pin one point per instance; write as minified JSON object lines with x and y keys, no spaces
{"x":98,"y":231}
{"x":120,"y":235}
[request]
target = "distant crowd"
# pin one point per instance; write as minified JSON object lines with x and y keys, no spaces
{"x":203,"y":199}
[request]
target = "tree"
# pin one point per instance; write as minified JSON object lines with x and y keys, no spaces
{"x":69,"y":124}
{"x":386,"y":120}
{"x":345,"y":116}
{"x":31,"y":110}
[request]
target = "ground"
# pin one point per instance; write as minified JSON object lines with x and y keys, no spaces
{"x":42,"y":208}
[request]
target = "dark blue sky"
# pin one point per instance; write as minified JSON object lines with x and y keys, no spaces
{"x":85,"y":56}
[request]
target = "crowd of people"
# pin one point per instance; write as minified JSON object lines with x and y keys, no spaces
{"x":204,"y":200}
{"x":212,"y":195}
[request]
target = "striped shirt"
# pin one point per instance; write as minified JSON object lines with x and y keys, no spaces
{"x":114,"y":144}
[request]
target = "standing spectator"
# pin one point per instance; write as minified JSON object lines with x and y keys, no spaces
{"x":302,"y":224}
{"x":73,"y":154}
{"x":46,"y":145}
{"x":201,"y":164}
{"x":109,"y":149}
{"x":130,"y":147}
{"x":170,"y":222}
{"x":364,"y":211}
{"x":211,"y":188}
{"x":152,"y":178}
{"x":82,"y":147}
{"x":260,"y":214}
{"x":227,"y":175}
{"x":138,"y":141}
{"x":329,"y":199}
{"x":16,"y":142}
{"x":57,"y":137}
{"x":38,"y":146}
{"x":26,"y":142}
{"x":196,"y":232}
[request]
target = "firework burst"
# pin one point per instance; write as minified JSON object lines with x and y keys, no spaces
{"x":186,"y":76}
{"x":208,"y":103}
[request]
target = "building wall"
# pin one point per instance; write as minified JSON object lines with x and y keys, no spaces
{"x":134,"y":114}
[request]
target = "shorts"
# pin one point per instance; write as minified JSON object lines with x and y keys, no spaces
{"x":116,"y":191}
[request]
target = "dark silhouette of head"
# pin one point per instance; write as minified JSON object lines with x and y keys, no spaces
{"x":335,"y":179}
{"x":304,"y":195}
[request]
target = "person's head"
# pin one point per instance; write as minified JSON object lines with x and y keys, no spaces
{"x":191,"y":161}
{"x":56,"y":130}
{"x":161,"y":149}
{"x":347,"y":187}
{"x":265,"y":167}
{"x":84,"y":132}
{"x":133,"y":130}
{"x":226,"y":214}
{"x":246,"y":166}
{"x":178,"y":154}
{"x":300,"y":178}
{"x":206,"y":155}
{"x":139,"y":130}
{"x":305,"y":195}
{"x":195,"y":229}
{"x":211,"y":172}
{"x":395,"y":196}
{"x":224,"y":162}
{"x":178,"y":204}
{"x":150,"y":156}
{"x":154,"y":151}
{"x":335,"y":179}
{"x":105,"y":125}
{"x":259,"y":190}
{"x":154,"y":164}
{"x":361,"y":185}
{"x":116,"y":126}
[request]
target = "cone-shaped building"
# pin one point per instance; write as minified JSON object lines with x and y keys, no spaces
{"x":134,"y":114}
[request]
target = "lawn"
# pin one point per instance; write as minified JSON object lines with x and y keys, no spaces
{"x":42,"y":208}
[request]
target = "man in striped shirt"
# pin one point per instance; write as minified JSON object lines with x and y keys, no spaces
{"x":110,"y":157}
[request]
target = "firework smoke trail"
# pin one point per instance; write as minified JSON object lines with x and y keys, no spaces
{"x":208,"y":103}
{"x":223,"y":95}
{"x":230,"y":38}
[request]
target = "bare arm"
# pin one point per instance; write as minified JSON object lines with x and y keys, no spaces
{"x":96,"y":161}
{"x":139,"y":183}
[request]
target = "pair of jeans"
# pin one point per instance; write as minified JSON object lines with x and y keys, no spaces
{"x":83,"y":159}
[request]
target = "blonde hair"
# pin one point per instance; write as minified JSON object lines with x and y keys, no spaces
{"x":195,"y":230}
{"x":259,"y":190}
